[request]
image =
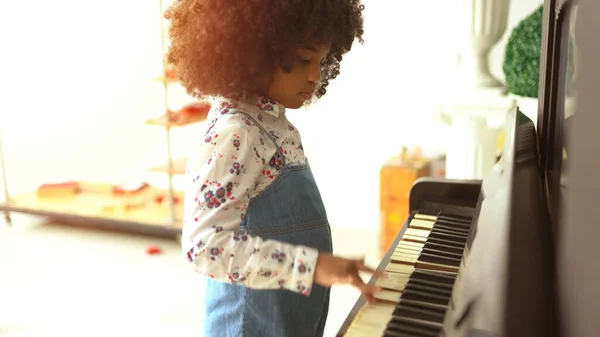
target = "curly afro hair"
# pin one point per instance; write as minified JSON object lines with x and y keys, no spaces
{"x":229,"y":48}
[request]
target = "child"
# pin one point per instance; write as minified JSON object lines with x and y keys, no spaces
{"x":254,"y":220}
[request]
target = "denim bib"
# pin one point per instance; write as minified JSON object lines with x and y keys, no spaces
{"x":290,"y":210}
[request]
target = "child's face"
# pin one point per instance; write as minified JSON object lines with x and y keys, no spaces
{"x":295,"y":84}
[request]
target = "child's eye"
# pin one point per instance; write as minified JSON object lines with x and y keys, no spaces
{"x":303,"y":59}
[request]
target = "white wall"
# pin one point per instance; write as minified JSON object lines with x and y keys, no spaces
{"x":76,"y":89}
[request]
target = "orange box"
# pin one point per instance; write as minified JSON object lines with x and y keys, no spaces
{"x":396,"y":179}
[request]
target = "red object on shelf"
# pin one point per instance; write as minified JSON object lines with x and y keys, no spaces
{"x":196,"y":110}
{"x":170,"y":74}
{"x":152,"y":250}
{"x":159,"y":198}
{"x":127,"y":189}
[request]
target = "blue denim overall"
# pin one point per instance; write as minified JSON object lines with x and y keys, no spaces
{"x":290,"y":210}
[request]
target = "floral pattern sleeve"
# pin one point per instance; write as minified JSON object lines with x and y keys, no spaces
{"x":220,"y":178}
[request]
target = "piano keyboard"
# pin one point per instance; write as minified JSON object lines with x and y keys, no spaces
{"x":420,"y":277}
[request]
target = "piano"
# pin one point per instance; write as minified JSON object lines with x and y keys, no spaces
{"x":486,"y":258}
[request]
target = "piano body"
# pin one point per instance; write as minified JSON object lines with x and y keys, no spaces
{"x":468,"y":257}
{"x":483,"y":258}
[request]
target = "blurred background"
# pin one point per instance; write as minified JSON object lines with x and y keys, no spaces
{"x":81,"y":91}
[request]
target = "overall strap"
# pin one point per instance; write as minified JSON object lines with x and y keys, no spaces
{"x":266,"y":132}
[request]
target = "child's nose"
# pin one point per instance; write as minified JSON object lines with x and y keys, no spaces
{"x":314,"y":74}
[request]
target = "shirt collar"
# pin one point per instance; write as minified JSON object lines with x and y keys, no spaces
{"x":269,"y":106}
{"x":260,"y":104}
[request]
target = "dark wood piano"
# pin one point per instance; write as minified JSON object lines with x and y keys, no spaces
{"x":483,"y":258}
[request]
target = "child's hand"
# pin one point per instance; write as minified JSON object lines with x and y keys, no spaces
{"x":332,"y":270}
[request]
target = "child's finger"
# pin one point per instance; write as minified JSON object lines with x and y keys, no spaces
{"x":357,"y":282}
{"x":369,"y":293}
{"x":362,"y":267}
{"x":369,"y":297}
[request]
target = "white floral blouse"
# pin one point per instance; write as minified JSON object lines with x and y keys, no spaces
{"x":232,"y":163}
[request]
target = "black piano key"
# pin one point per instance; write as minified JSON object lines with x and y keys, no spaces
{"x":438,"y":259}
{"x":453,"y":238}
{"x":432,"y":251}
{"x":451,"y":230}
{"x":453,"y":223}
{"x":418,"y":314}
{"x":432,"y":284}
{"x":400,"y":334}
{"x":460,"y":229}
{"x":445,"y":248}
{"x":451,"y":234}
{"x":451,"y":243}
{"x":455,"y":217}
{"x":441,"y":308}
{"x":438,"y":262}
{"x":460,"y":224}
{"x":418,"y":286}
{"x":441,"y":241}
{"x":419,"y":311}
{"x":408,"y":325}
{"x":446,"y":217}
{"x":438,"y":310}
{"x":412,"y":294}
{"x":432,"y":276}
{"x":435,"y":248}
{"x":427,"y":297}
{"x":442,"y":234}
{"x":395,"y":329}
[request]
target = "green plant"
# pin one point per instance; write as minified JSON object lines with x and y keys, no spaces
{"x":522,"y":56}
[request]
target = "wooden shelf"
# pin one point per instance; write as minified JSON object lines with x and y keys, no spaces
{"x":96,"y":206}
{"x":168,"y":77}
{"x":166,"y":80}
{"x":190,"y":113}
{"x":164,"y":121}
{"x":179,"y":166}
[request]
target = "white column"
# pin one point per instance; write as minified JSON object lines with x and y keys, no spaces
{"x":472,"y":135}
{"x":482,"y":24}
{"x":471,"y":152}
{"x":475,"y":102}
